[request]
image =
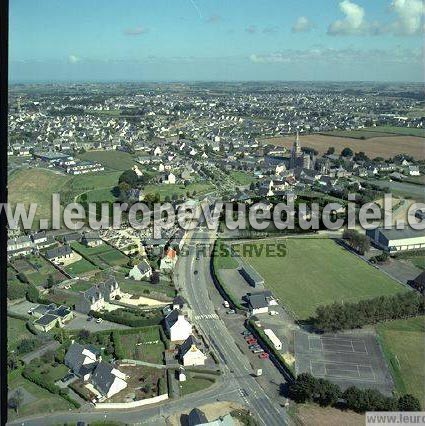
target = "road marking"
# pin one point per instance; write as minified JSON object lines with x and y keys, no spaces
{"x":206,"y":317}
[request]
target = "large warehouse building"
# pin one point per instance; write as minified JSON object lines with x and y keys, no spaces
{"x":393,"y":240}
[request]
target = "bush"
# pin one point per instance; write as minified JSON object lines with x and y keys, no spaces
{"x":32,"y":294}
{"x":26,"y":345}
{"x":16,"y":290}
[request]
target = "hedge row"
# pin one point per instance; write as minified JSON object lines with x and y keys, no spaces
{"x":127,"y":317}
{"x":50,"y":387}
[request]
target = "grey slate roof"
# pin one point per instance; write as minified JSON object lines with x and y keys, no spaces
{"x":58,"y":252}
{"x":171,"y":318}
{"x":187,"y":344}
{"x":102,"y":377}
{"x":46,"y":319}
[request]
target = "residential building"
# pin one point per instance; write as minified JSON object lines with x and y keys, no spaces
{"x":177,"y":326}
{"x":190,"y":352}
{"x":141,"y":271}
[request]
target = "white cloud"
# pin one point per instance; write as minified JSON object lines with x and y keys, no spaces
{"x":340,"y":56}
{"x":353,"y":23}
{"x":302,"y":24}
{"x":410,"y":16}
{"x":136,"y":31}
{"x":73,"y":59}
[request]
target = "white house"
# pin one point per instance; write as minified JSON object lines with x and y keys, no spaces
{"x":178,"y":328}
{"x":171,"y":179}
{"x":140,"y":271}
{"x":157,"y":151}
{"x":190,"y":353}
{"x":168,"y":261}
{"x":108,"y":380}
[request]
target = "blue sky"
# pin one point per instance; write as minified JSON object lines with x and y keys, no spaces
{"x":137,"y":40}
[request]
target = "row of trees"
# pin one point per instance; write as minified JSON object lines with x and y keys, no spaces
{"x":307,"y":388}
{"x":345,"y":316}
{"x":357,"y":241}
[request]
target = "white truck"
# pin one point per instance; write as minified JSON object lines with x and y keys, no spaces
{"x":273,"y":338}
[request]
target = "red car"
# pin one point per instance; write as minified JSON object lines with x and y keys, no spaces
{"x":264,"y":355}
{"x":251,"y":341}
{"x":249,"y":337}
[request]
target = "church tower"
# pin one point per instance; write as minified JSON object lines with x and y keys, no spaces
{"x":296,"y":152}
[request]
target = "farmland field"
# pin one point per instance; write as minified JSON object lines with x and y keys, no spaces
{"x":403,"y":344}
{"x":318,"y":272}
{"x":380,"y":146}
{"x":372,"y":132}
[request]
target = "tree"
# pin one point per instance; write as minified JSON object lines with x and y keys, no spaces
{"x":32,"y":294}
{"x":84,"y":335}
{"x":330,"y":151}
{"x":129,"y":177}
{"x":303,"y":388}
{"x":50,"y":282}
{"x":354,"y":399}
{"x":409,"y":403}
{"x":155,"y":277}
{"x":26,"y":345}
{"x":327,"y":393}
{"x":16,"y":400}
{"x":347,"y":152}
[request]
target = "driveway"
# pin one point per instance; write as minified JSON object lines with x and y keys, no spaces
{"x":80,"y":322}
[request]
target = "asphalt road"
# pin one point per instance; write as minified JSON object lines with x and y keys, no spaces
{"x":237,"y":368}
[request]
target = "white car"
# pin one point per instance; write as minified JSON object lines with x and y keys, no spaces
{"x":99,"y":320}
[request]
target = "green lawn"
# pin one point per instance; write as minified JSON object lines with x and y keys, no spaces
{"x":145,"y":345}
{"x":194,"y":384}
{"x":80,"y":267}
{"x":403,"y":344}
{"x":143,"y":288}
{"x":318,"y":272}
{"x":16,"y":331}
{"x":114,"y":160}
{"x":242,"y":178}
{"x":44,"y":401}
{"x":168,"y":190}
{"x":103,"y":255}
{"x":222,"y":257}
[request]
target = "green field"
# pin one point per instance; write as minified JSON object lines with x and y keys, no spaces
{"x":17,"y":331}
{"x":373,"y":132}
{"x":194,"y":384}
{"x":79,"y":267}
{"x":145,"y":345}
{"x":41,"y":400}
{"x":143,"y":288}
{"x":242,"y":178}
{"x":318,"y":272}
{"x":113,"y":160}
{"x":403,"y":345}
{"x":36,"y":186}
{"x":102,"y":256}
{"x":180,"y":190}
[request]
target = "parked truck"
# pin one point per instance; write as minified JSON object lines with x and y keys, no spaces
{"x":273,"y":338}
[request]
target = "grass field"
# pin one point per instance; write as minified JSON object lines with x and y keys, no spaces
{"x":41,"y":400}
{"x":79,"y":267}
{"x":142,"y":288}
{"x":242,"y":178}
{"x":318,"y":272}
{"x":36,"y":186}
{"x":168,"y":190}
{"x":379,"y":146}
{"x":194,"y":384}
{"x":146,"y":345}
{"x":403,"y":344}
{"x":16,"y":331}
{"x":103,"y":255}
{"x":113,"y":160}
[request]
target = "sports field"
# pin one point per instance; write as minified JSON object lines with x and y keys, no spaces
{"x":403,"y":345}
{"x":316,"y":272}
